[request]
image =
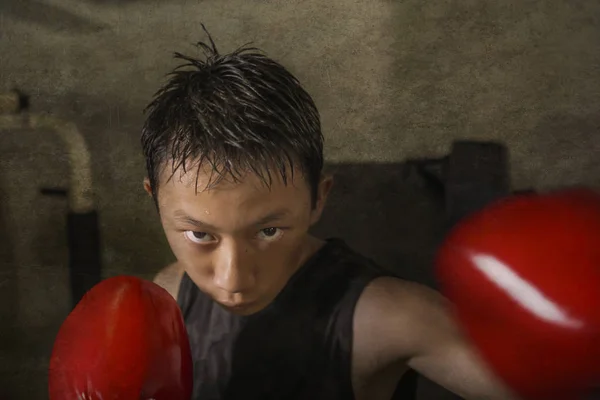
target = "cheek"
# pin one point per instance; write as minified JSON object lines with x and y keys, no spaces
{"x":177,"y":243}
{"x":199,"y":276}
{"x":281,"y":257}
{"x":187,"y":254}
{"x":197,"y":266}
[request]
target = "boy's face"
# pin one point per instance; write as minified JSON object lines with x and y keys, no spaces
{"x":239,"y":242}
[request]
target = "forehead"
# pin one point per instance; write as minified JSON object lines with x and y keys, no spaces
{"x":203,"y":187}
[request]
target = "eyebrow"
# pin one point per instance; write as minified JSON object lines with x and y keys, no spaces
{"x":181,"y":216}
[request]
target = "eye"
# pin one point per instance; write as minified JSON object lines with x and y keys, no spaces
{"x":198,"y":237}
{"x":270,"y":234}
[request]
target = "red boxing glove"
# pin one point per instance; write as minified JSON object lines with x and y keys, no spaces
{"x":125,"y":340}
{"x":524,"y":276}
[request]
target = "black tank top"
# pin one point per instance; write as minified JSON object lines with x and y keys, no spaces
{"x":298,"y":348}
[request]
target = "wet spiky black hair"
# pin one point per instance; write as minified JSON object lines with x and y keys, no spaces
{"x":238,"y":112}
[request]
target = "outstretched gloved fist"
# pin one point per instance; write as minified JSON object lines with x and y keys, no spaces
{"x":524,"y":276}
{"x":125,"y":340}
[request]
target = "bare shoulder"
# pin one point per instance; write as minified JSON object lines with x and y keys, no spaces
{"x":400,"y":307}
{"x":393,"y":320}
{"x":169,"y":278}
{"x":386,"y":290}
{"x":398,"y":322}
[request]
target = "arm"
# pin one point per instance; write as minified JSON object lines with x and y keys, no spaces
{"x":398,"y":321}
{"x":169,"y":278}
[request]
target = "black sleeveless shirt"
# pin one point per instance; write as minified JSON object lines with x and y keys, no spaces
{"x":298,"y":348}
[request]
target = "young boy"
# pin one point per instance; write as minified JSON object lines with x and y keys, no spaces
{"x":234,"y":155}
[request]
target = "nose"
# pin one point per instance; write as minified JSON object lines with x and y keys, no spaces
{"x":233,"y":269}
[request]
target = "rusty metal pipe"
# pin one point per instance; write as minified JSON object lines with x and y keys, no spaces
{"x":82,"y":219}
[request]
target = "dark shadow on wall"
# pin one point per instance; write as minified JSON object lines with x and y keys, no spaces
{"x":385,"y":215}
{"x":8,"y":290}
{"x":9,"y":299}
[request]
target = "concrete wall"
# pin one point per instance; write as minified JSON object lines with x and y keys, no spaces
{"x":392,"y":79}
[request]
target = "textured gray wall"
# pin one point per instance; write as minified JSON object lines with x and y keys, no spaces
{"x":392,"y":80}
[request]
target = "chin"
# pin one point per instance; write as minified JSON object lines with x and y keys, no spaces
{"x":243,"y":310}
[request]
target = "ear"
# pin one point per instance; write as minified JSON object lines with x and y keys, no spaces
{"x":147,"y":187}
{"x":322,"y":194}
